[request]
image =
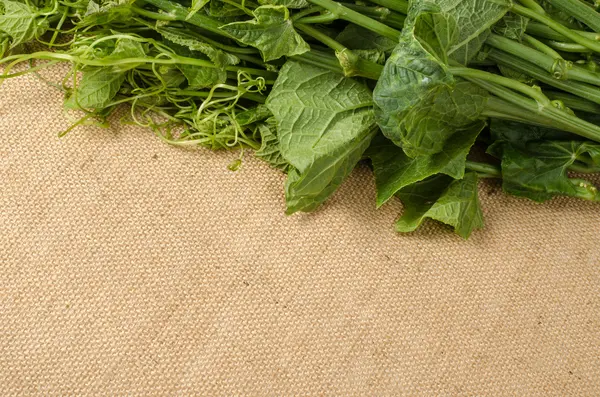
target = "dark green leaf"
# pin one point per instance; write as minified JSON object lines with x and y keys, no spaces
{"x":357,"y":38}
{"x":539,"y":170}
{"x":453,"y":202}
{"x":419,"y":105}
{"x":272,"y":32}
{"x":394,"y":169}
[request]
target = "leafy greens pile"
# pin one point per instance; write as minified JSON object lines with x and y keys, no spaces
{"x":315,"y":86}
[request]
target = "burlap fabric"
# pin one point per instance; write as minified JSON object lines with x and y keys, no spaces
{"x":129,"y":267}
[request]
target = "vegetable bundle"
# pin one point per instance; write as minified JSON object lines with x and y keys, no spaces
{"x":417,"y":89}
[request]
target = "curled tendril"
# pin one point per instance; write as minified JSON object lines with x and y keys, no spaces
{"x":560,"y":68}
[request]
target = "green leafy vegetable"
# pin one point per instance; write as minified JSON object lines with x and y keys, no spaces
{"x":453,"y":202}
{"x":272,"y":32}
{"x":410,"y":87}
{"x":325,"y":122}
{"x":394,"y":169}
{"x":21,"y":22}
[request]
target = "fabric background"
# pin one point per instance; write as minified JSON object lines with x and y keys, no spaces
{"x":129,"y":267}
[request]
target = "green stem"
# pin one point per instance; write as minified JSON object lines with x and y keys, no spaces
{"x":533,"y":5}
{"x":158,"y":16}
{"x":581,"y":89}
{"x":543,"y":115}
{"x":583,"y":169}
{"x":324,"y":18}
{"x":317,"y":34}
{"x":580,"y":11}
{"x":400,"y":6}
{"x":382,"y":14}
{"x":306,"y":12}
{"x":538,"y":45}
{"x":490,"y":170}
{"x":501,"y":109}
{"x":559,"y":68}
{"x":320,"y":59}
{"x":543,"y":31}
{"x":567,"y":47}
{"x":204,"y":94}
{"x":355,"y":17}
{"x":229,"y":48}
{"x":551,"y":23}
{"x":173,"y":60}
{"x":574,"y":102}
{"x":531,"y":92}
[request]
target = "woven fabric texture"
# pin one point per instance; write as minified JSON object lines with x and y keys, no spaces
{"x":130,"y":267}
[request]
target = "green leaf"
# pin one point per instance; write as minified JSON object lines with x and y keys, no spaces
{"x":458,"y":28}
{"x":197,"y":5}
{"x":201,"y":77}
{"x":539,"y":171}
{"x":512,"y":26}
{"x":271,"y":32}
{"x":106,"y":11}
{"x":224,"y":10}
{"x":376,"y":56}
{"x":519,"y":135}
{"x":218,"y":57}
{"x":270,"y":151}
{"x":358,"y":38}
{"x":286,"y":3}
{"x":258,"y":113}
{"x":453,"y":202}
{"x":325,"y":122}
{"x":419,"y":105}
{"x":394,"y":170}
{"x":97,"y":88}
{"x":21,"y":22}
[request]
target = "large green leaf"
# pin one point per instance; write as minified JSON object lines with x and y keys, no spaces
{"x":394,"y":169}
{"x":457,"y":29}
{"x":21,"y":22}
{"x":539,"y":171}
{"x":272,"y":32}
{"x":419,"y":104}
{"x":325,"y":122}
{"x":453,"y":202}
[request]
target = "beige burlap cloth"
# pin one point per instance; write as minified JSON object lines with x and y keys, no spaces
{"x":130,"y":267}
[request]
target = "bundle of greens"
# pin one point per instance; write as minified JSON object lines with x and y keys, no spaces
{"x":416,"y":89}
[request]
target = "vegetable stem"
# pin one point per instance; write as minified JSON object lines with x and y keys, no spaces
{"x":534,"y":93}
{"x":487,"y":169}
{"x":551,"y":23}
{"x":357,"y":18}
{"x":400,"y":6}
{"x":581,"y":89}
{"x":559,"y":68}
{"x":580,"y":11}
